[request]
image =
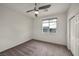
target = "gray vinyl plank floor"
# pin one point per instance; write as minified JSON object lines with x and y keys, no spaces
{"x":37,"y":48}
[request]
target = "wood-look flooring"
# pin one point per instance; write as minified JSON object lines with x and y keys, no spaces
{"x":37,"y":48}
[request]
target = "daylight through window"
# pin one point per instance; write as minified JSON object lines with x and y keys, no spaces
{"x":49,"y":25}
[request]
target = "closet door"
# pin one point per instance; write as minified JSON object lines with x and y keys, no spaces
{"x":78,"y":34}
{"x":72,"y":35}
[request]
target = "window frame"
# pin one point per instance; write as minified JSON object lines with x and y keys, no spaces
{"x":49,"y":24}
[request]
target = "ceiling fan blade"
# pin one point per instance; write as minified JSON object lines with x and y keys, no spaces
{"x":44,"y":7}
{"x":30,"y":10}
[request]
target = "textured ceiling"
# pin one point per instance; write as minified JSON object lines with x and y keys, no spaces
{"x":23,"y":7}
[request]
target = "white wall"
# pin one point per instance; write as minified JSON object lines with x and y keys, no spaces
{"x":15,"y":28}
{"x":74,"y":9}
{"x":59,"y":37}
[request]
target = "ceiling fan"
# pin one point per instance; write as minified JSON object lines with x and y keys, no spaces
{"x":36,"y":9}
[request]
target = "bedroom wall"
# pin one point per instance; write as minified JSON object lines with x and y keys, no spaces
{"x":15,"y":28}
{"x":59,"y":37}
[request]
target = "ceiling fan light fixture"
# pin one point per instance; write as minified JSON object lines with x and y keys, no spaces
{"x":36,"y":9}
{"x":36,"y":12}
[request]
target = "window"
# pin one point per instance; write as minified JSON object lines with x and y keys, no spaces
{"x":49,"y":25}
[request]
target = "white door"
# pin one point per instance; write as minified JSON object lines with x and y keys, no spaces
{"x":77,"y":35}
{"x":74,"y":35}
